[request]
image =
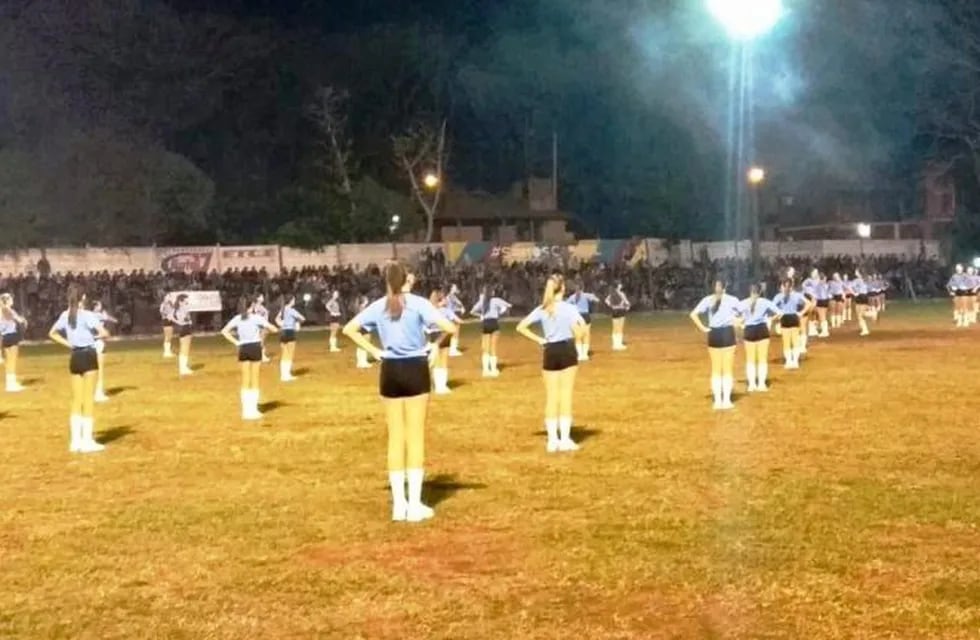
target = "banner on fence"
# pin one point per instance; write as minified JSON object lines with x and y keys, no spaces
{"x":200,"y":301}
{"x":186,"y":259}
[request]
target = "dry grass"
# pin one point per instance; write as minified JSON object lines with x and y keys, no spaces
{"x":845,"y":504}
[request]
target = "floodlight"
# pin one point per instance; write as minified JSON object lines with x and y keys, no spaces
{"x":746,"y":19}
{"x":864,"y":230}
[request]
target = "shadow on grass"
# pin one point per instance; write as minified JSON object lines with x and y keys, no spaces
{"x":113,"y":434}
{"x":30,"y":382}
{"x":302,"y":371}
{"x":456,"y":384}
{"x":272,"y":405}
{"x":443,"y":486}
{"x":112,"y":392}
{"x":6,"y":414}
{"x":579,"y":433}
{"x":197,"y":367}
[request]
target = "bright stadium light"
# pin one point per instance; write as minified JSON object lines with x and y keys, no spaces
{"x":976,"y":263}
{"x":746,"y":19}
{"x":756,"y":175}
{"x":430,"y":180}
{"x":864,"y":230}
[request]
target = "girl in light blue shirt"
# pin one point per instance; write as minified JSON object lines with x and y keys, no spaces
{"x":792,"y":306}
{"x":757,"y":313}
{"x":245,"y":330}
{"x":400,"y":320}
{"x":289,"y":321}
{"x":583,"y":302}
{"x":562,"y":325}
{"x":723,"y":311}
{"x":489,"y":308}
{"x":619,"y":304}
{"x":10,"y":328}
{"x":185,"y":333}
{"x":78,"y":329}
{"x":457,"y":307}
{"x":99,"y":310}
{"x":861,"y":302}
{"x":439,"y":355}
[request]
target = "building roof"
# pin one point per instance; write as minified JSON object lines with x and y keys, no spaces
{"x":478,"y":206}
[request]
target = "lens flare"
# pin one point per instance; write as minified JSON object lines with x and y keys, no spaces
{"x":746,"y":19}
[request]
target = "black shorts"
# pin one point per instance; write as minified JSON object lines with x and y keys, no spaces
{"x":756,"y":333}
{"x":823,"y":304}
{"x":336,"y":319}
{"x":404,"y":377}
{"x":789,"y":321}
{"x":167,"y":323}
{"x":587,"y":317}
{"x":83,"y":360}
{"x":184,"y":330}
{"x":10,"y":340}
{"x":559,"y":356}
{"x":287,"y":336}
{"x":619,"y":313}
{"x":808,"y":297}
{"x":839,"y":298}
{"x":721,"y":337}
{"x":491,"y":325}
{"x":251,"y":352}
{"x":861,"y":298}
{"x":959,"y":293}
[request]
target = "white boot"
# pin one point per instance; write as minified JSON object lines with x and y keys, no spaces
{"x":763,"y":375}
{"x":454,"y":351}
{"x":183,"y":366}
{"x":494,"y":371}
{"x":485,"y":361}
{"x":100,"y":395}
{"x":551,"y":428}
{"x":440,"y":378}
{"x":75,"y":444}
{"x":811,"y":329}
{"x":565,"y":442}
{"x":750,"y":376}
{"x":362,"y":359}
{"x":89,"y":445}
{"x":416,"y":511}
{"x":824,"y":329}
{"x":251,"y":410}
{"x":168,"y":351}
{"x":399,"y":503}
{"x":333,"y":345}
{"x":583,"y":355}
{"x":12,"y":385}
{"x":727,"y":384}
{"x":716,"y":391}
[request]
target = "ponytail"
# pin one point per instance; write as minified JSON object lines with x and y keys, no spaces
{"x":244,"y":306}
{"x":717,"y":304}
{"x":74,"y":298}
{"x":395,"y":277}
{"x":552,"y":289}
{"x":754,"y":294}
{"x":486,"y":299}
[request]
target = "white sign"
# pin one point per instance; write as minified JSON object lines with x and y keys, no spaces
{"x":200,"y":301}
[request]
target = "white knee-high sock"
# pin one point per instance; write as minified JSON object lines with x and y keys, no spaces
{"x":485,"y":360}
{"x":182,"y":364}
{"x":763,"y":373}
{"x":454,"y":343}
{"x":75,"y":424}
{"x":727,"y":383}
{"x":246,"y":399}
{"x":565,"y":428}
{"x":493,"y":363}
{"x":750,"y":373}
{"x":333,"y":343}
{"x":396,"y":480}
{"x":716,"y":390}
{"x":415,"y":477}
{"x":788,"y":356}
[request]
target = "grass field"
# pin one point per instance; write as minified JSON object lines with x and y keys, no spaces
{"x":843,"y":504}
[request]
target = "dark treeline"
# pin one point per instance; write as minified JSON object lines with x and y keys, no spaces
{"x":144,"y":121}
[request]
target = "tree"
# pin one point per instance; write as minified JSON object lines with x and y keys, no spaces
{"x":421,"y":153}
{"x":329,"y":113}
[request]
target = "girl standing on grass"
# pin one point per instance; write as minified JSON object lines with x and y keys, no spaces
{"x":10,"y":326}
{"x":439,"y":356}
{"x":185,"y":333}
{"x":334,"y":316}
{"x":289,"y":320}
{"x":861,"y":302}
{"x":104,"y":316}
{"x":723,"y":310}
{"x":757,"y":313}
{"x":78,"y":329}
{"x":259,"y":309}
{"x":456,"y":306}
{"x":167,"y":321}
{"x":836,"y":287}
{"x":489,"y":308}
{"x":401,"y":320}
{"x":583,"y":303}
{"x":822,"y":303}
{"x":360,"y":355}
{"x":248,"y":327}
{"x":619,"y":304}
{"x":562,"y":326}
{"x":792,"y":307}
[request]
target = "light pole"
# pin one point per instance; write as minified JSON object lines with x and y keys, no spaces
{"x":755,"y":176}
{"x":392,"y":230}
{"x":864,"y":232}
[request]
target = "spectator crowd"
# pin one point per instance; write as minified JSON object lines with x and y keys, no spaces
{"x":134,"y":297}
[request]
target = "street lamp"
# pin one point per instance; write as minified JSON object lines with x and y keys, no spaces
{"x":755,"y":176}
{"x":430,"y":180}
{"x":864,"y":232}
{"x":392,"y":230}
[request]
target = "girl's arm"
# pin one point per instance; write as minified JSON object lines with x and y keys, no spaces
{"x":227,"y":335}
{"x":271,"y":327}
{"x":353,"y":331}
{"x":696,"y":319}
{"x":279,"y":318}
{"x":60,"y":339}
{"x":299,"y":316}
{"x":523,"y":328}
